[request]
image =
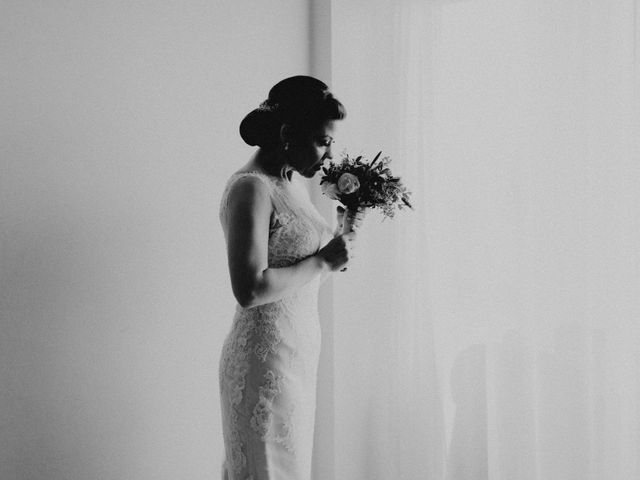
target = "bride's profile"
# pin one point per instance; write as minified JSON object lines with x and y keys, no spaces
{"x":278,"y":249}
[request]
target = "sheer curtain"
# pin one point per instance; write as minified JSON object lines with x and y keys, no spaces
{"x":492,"y":333}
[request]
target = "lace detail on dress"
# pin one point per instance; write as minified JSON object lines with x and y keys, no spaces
{"x":262,"y":416}
{"x":287,"y":428}
{"x":234,"y":368}
{"x":269,"y":359}
{"x":267,"y":332}
{"x":280,"y":219}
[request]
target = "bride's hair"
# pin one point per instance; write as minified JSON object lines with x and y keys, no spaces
{"x":304,"y":103}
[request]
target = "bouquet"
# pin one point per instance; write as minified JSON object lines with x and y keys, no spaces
{"x":359,"y":185}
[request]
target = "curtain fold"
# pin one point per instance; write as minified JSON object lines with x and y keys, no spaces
{"x":493,"y":332}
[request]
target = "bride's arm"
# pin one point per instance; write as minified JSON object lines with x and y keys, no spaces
{"x":252,"y":281}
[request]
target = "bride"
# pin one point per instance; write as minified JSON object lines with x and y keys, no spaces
{"x":278,"y":247}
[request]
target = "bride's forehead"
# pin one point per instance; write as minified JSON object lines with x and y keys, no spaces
{"x":326,"y":129}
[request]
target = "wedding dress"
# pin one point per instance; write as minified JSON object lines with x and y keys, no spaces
{"x":269,"y":359}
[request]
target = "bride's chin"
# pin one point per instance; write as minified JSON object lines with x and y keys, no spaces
{"x":308,"y":173}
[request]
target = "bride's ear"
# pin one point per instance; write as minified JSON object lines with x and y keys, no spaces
{"x":286,"y":133}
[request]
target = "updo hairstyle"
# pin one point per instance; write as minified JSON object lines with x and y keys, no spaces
{"x":304,"y":103}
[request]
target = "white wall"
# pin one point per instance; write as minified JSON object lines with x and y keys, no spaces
{"x":118,"y":128}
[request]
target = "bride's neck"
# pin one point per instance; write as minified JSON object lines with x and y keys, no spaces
{"x":273,"y":163}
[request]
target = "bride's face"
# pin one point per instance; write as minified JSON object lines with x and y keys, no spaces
{"x":308,"y":155}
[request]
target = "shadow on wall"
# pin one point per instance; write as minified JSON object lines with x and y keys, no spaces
{"x":468,"y":455}
{"x":535,"y":397}
{"x":402,"y":415}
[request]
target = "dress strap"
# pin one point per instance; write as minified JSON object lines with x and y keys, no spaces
{"x":275,"y":193}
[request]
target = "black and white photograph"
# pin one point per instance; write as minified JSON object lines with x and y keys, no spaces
{"x":320,"y":240}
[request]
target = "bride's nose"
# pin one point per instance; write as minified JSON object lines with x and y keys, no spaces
{"x":328,"y":154}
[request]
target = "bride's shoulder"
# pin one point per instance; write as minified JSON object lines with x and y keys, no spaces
{"x":245,"y":195}
{"x":248,"y":184}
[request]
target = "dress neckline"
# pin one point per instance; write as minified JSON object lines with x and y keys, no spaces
{"x":262,"y":174}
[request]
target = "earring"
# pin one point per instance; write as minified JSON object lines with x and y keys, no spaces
{"x":286,"y":146}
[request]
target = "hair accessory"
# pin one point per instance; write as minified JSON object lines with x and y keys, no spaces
{"x":268,"y":107}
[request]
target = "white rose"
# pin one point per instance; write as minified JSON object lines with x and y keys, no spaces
{"x":348,"y":183}
{"x":330,"y":190}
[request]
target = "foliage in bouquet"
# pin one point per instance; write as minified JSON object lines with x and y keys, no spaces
{"x":355,"y":183}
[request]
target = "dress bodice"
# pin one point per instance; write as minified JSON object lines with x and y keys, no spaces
{"x":296,"y":228}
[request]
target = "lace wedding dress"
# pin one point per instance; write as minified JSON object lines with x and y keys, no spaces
{"x":270,"y":357}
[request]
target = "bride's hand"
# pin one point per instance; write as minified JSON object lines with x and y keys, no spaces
{"x":339,"y":219}
{"x":337,"y":253}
